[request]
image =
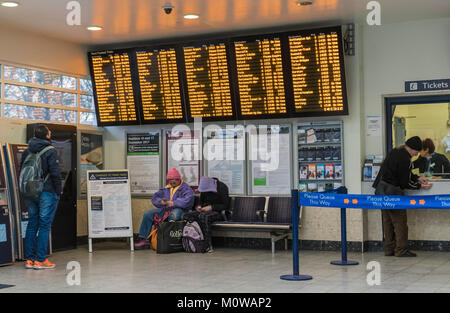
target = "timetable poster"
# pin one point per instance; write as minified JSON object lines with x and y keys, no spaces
{"x":225,"y":154}
{"x":109,"y":204}
{"x":143,"y":162}
{"x":208,"y":82}
{"x":113,"y":88}
{"x":260,"y":78}
{"x":270,"y":155}
{"x":317,"y":68}
{"x":91,"y":157}
{"x":184,"y":153}
{"x":159,"y":83}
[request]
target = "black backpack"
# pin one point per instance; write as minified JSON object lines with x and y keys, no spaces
{"x":31,"y":182}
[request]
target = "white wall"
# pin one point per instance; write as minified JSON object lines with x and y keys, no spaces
{"x":400,"y":52}
{"x":393,"y":54}
{"x":24,"y":47}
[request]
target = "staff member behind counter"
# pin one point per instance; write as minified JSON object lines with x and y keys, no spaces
{"x":394,"y":177}
{"x":430,"y":162}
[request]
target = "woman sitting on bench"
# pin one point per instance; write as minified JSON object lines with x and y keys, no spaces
{"x":177,"y":197}
{"x":213,"y":199}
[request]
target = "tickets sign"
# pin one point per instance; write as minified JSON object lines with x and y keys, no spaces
{"x":382,"y":202}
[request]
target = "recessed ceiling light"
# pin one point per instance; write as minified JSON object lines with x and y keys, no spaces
{"x":10,"y":4}
{"x":94,"y":28}
{"x":191,"y":16}
{"x":304,"y":2}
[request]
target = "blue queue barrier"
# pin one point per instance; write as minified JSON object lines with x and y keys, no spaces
{"x":339,"y":198}
{"x":343,"y":261}
{"x":295,"y":253}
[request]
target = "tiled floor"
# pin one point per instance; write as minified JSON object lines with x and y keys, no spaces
{"x":113,"y":268}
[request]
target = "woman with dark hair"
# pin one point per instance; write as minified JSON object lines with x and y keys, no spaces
{"x":431,"y":162}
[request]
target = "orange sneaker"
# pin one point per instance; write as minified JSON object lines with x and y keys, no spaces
{"x":29,"y":264}
{"x":43,"y":265}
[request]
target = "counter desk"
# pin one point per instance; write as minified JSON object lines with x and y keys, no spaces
{"x":428,"y":229}
{"x":440,"y":187}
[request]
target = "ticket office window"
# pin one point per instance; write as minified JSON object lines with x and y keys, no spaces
{"x":426,"y":117}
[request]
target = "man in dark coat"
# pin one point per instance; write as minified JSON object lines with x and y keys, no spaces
{"x":394,"y":177}
{"x":42,"y":208}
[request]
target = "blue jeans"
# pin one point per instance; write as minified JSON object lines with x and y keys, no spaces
{"x":41,"y":212}
{"x":147,"y":220}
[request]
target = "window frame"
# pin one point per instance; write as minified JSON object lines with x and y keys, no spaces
{"x":77,"y":92}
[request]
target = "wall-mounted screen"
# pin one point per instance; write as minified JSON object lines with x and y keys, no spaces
{"x":259,"y":67}
{"x":317,"y":71}
{"x":208,"y":82}
{"x":113,"y":88}
{"x":159,"y":86}
{"x":290,"y":74}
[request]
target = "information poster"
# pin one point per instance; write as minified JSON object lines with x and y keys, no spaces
{"x":270,"y":156}
{"x":143,"y":162}
{"x":109,"y":204}
{"x":225,"y":154}
{"x":373,"y":126}
{"x":183,"y":153}
{"x":91,"y":158}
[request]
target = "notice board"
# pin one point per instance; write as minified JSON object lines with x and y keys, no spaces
{"x":109,"y":204}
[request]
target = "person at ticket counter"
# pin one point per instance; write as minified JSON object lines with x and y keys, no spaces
{"x":430,"y":162}
{"x":394,"y":177}
{"x":41,"y":209}
{"x":176,"y":197}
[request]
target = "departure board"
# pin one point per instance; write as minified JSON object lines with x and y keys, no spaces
{"x":208,"y":82}
{"x":298,"y":73}
{"x":317,"y":73}
{"x":260,"y":78}
{"x":160,"y":91}
{"x":113,"y":88}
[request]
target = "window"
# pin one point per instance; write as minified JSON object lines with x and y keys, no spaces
{"x":35,"y":95}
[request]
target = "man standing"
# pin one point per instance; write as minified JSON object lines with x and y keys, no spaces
{"x":42,"y":206}
{"x":394,"y":177}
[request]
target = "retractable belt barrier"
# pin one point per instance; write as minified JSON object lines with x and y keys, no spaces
{"x":339,"y":198}
{"x":330,"y":200}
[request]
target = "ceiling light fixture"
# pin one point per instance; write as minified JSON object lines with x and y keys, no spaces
{"x":191,"y":16}
{"x":304,"y":2}
{"x":94,"y":28}
{"x":10,"y":4}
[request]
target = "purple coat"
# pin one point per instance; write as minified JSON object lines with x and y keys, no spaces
{"x":182,"y":199}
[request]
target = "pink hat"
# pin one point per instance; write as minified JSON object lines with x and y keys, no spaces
{"x":173,"y":174}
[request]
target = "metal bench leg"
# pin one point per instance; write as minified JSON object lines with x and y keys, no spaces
{"x":285,"y":243}
{"x":273,"y":245}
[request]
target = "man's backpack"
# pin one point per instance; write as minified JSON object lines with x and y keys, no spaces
{"x":193,"y":239}
{"x":31,"y":182}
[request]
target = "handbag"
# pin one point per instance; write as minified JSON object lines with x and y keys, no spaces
{"x":169,"y":236}
{"x":157,"y":221}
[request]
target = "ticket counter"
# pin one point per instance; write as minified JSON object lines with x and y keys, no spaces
{"x":428,"y":229}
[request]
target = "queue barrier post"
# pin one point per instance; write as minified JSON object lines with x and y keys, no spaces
{"x":343,"y":261}
{"x":295,"y":251}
